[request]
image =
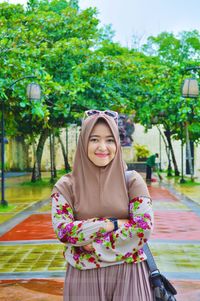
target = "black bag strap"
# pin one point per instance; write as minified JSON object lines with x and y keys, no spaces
{"x":150,"y":260}
{"x":156,"y":279}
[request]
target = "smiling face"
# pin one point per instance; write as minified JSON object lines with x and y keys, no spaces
{"x":101,"y":146}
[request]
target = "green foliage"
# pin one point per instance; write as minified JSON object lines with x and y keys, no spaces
{"x":172,"y":54}
{"x":142,"y":151}
{"x":79,"y":67}
{"x":48,"y":40}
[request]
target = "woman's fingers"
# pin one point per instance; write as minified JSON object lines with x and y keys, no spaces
{"x":88,"y":248}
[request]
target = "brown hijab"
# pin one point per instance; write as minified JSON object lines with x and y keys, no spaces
{"x":94,"y":191}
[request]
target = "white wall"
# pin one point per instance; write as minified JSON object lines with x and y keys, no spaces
{"x":151,"y":140}
{"x":197,"y":161}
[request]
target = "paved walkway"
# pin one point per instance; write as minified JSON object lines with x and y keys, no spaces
{"x":31,"y":262}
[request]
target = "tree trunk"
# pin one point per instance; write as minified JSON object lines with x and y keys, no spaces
{"x":171,"y":152}
{"x":169,"y":169}
{"x":36,"y":172}
{"x":166,"y":145}
{"x":65,"y":154}
{"x":189,"y":152}
{"x":52,"y":156}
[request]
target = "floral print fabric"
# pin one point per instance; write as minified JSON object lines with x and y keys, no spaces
{"x":110,"y":248}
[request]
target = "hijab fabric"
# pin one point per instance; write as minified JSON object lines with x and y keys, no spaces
{"x":94,"y":191}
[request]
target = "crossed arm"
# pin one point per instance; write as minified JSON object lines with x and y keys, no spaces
{"x":78,"y":233}
{"x":97,"y":233}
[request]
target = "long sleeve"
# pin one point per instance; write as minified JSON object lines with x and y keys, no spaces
{"x":71,"y":231}
{"x":126,"y":243}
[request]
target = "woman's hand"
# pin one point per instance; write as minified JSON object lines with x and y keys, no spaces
{"x":88,"y":248}
{"x":121,"y":222}
{"x":109,"y":228}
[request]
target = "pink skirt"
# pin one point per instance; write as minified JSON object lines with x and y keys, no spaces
{"x":123,"y":282}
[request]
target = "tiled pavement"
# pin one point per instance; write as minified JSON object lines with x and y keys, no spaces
{"x":32,"y":266}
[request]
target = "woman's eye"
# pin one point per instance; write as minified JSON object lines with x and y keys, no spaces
{"x":93,"y":140}
{"x":111,"y":140}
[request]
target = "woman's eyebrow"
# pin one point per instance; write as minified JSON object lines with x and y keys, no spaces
{"x":109,"y":136}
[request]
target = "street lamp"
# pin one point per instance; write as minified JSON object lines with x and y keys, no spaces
{"x":190,"y":89}
{"x":34,"y":93}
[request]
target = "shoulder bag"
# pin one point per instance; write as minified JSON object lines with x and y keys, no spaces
{"x":163,"y":290}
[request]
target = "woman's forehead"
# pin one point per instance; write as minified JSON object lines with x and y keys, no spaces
{"x":101,"y":129}
{"x":92,"y":121}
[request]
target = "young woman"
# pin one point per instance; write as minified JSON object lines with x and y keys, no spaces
{"x":103,"y":220}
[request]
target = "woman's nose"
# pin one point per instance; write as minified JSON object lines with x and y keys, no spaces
{"x":102,"y":146}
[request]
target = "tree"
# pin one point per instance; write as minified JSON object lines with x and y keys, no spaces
{"x":47,"y":39}
{"x":79,"y":67}
{"x":172,"y":54}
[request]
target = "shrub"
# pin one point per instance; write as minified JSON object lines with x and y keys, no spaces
{"x":142,"y":151}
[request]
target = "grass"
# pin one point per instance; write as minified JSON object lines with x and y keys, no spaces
{"x":39,"y":183}
{"x":190,"y":183}
{"x":45,"y":182}
{"x":62,"y":172}
{"x":4,"y":209}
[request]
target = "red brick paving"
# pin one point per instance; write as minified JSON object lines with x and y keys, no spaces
{"x":52,"y":290}
{"x":188,"y":290}
{"x":161,"y":194}
{"x":176,"y":225}
{"x":168,"y":225}
{"x":171,"y":225}
{"x":37,"y":226}
{"x":31,"y":290}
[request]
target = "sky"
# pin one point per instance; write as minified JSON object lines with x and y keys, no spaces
{"x":144,"y":17}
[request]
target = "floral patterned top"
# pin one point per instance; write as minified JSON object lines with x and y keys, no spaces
{"x":109,"y":248}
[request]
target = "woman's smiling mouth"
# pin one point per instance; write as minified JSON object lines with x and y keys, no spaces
{"x":100,"y":155}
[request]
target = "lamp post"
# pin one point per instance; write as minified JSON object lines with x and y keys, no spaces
{"x":182,"y":180}
{"x":190,"y":89}
{"x":34,"y":93}
{"x":160,"y":152}
{"x":3,"y":201}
